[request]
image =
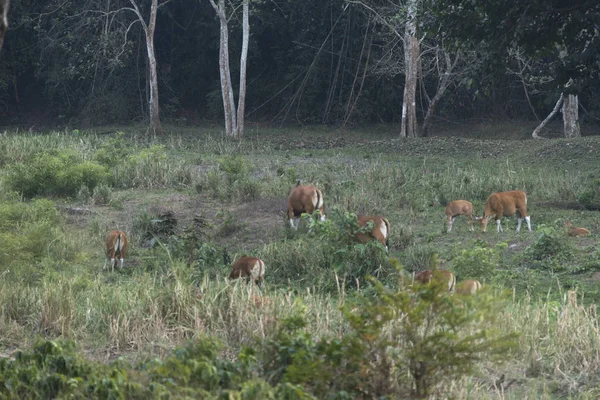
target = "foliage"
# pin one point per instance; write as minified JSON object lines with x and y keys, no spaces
{"x":479,"y":261}
{"x":328,"y":257}
{"x":58,"y":173}
{"x":113,"y":151}
{"x":549,"y":244}
{"x":26,"y":229}
{"x":419,"y":329}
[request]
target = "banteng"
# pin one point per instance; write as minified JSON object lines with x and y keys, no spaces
{"x":456,"y":208}
{"x":304,"y":199}
{"x":505,"y":204}
{"x":116,"y":244}
{"x":379,"y":232}
{"x":249,"y":267}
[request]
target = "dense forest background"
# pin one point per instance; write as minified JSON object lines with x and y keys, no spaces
{"x":312,"y":61}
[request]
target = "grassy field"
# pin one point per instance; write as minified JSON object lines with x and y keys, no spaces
{"x":193,"y":201}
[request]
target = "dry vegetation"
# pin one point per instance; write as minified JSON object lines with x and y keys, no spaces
{"x":192,"y":204}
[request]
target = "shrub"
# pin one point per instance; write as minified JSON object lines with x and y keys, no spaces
{"x":102,"y":194}
{"x":26,"y":229}
{"x":478,"y":261}
{"x":549,"y":244}
{"x":328,"y":256}
{"x":58,"y":173}
{"x":418,"y":258}
{"x":416,"y":331}
{"x":113,"y":151}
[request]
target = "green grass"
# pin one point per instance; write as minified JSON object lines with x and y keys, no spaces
{"x":229,"y":199}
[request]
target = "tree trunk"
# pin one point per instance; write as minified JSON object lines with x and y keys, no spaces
{"x":243,"y":58}
{"x":224,"y":71}
{"x":537,"y":130}
{"x":570,"y":111}
{"x":3,"y":20}
{"x":443,"y":85}
{"x":152,"y":68}
{"x":411,"y":58}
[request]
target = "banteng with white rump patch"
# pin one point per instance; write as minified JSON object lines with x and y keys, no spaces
{"x":249,"y":267}
{"x":505,"y":204}
{"x":116,"y":244}
{"x":379,"y":232}
{"x":304,"y":199}
{"x":456,"y":208}
{"x":468,"y":287}
{"x":439,"y":275}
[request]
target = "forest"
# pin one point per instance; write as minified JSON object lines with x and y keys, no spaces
{"x":277,"y":199}
{"x":334,"y":63}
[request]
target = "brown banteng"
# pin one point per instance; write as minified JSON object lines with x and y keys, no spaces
{"x":456,"y":208}
{"x":442,"y":275}
{"x":505,"y":204}
{"x":250,"y":268}
{"x":579,"y":232}
{"x":116,"y":244}
{"x":379,"y":232}
{"x":304,"y":199}
{"x":468,"y":287}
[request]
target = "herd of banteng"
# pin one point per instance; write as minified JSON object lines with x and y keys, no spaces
{"x":305,"y":199}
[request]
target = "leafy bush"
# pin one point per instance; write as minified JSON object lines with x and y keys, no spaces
{"x":26,"y":229}
{"x":60,"y":173}
{"x":417,"y":331}
{"x":418,"y":258}
{"x":478,"y":261}
{"x":550,"y":244}
{"x":231,"y":181}
{"x":113,"y":151}
{"x":328,"y":256}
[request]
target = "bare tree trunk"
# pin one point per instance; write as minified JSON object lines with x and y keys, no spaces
{"x":411,"y":57}
{"x":225,"y":72}
{"x":537,"y":130}
{"x":4,"y":4}
{"x":442,"y":86}
{"x":152,"y":68}
{"x":234,"y":122}
{"x":154,"y":108}
{"x":243,"y":59}
{"x":570,"y":111}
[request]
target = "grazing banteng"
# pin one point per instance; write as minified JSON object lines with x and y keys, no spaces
{"x":116,"y":244}
{"x":442,"y":275}
{"x":380,"y":230}
{"x":468,"y":287}
{"x":459,"y":207}
{"x":249,"y":267}
{"x":579,"y":232}
{"x":505,"y":204}
{"x":304,"y":199}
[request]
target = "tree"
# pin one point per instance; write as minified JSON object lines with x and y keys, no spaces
{"x":4,"y":4}
{"x":153,"y":75}
{"x":421,"y":59}
{"x":561,"y":35}
{"x":234,"y":121}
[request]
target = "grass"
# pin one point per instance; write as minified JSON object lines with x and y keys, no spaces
{"x":53,"y":286}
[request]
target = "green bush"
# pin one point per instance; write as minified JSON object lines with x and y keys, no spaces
{"x":478,"y":261}
{"x":113,"y":151}
{"x":26,"y":229}
{"x":550,"y":244}
{"x":327,"y":257}
{"x":60,"y":173}
{"x":418,"y":258}
{"x":417,"y":331}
